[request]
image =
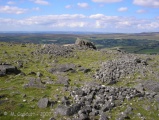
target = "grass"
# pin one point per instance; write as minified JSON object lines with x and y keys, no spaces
{"x":139,"y":109}
{"x":21,"y":102}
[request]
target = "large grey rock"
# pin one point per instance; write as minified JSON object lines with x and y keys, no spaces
{"x":63,"y":80}
{"x":78,"y":91}
{"x":68,"y":111}
{"x":106,"y":107}
{"x":151,"y":85}
{"x":140,"y":87}
{"x":34,"y":83}
{"x":157,"y":98}
{"x":85,"y":43}
{"x":103,"y":117}
{"x":43,"y":103}
{"x":65,"y":101}
{"x":62,"y":68}
{"x":8,"y":69}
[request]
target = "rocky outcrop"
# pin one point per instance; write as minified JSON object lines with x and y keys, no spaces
{"x":112,"y":70}
{"x":65,"y":50}
{"x":67,"y":110}
{"x":8,"y":69}
{"x":56,"y":50}
{"x":85,"y":43}
{"x":94,"y":99}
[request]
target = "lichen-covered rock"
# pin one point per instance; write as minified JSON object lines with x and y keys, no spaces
{"x":56,"y":50}
{"x":34,"y":83}
{"x":43,"y":103}
{"x":62,"y":68}
{"x":112,"y":70}
{"x":8,"y":69}
{"x":151,"y":85}
{"x":85,"y":43}
{"x":96,"y":99}
{"x":67,"y":110}
{"x":63,"y":80}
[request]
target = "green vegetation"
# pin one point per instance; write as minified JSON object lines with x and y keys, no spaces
{"x":21,"y":103}
{"x":140,"y":43}
{"x":22,"y":100}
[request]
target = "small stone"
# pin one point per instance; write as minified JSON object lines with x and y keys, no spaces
{"x":24,"y":95}
{"x":43,"y":103}
{"x":38,"y":74}
{"x":103,"y":117}
{"x":24,"y":100}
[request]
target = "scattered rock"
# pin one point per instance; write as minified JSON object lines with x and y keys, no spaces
{"x":56,"y":50}
{"x":151,"y":85}
{"x":2,"y":101}
{"x":52,"y":118}
{"x":19,"y":64}
{"x":112,"y":70}
{"x":96,"y":99}
{"x":31,"y":73}
{"x":62,"y":68}
{"x":65,"y":101}
{"x":68,"y":111}
{"x":103,"y":117}
{"x":85,"y":70}
{"x":63,"y":80}
{"x":43,"y":103}
{"x":140,"y":87}
{"x":35,"y":83}
{"x":38,"y":74}
{"x":157,"y":98}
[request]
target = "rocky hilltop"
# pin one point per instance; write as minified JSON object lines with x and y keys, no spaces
{"x":77,"y":82}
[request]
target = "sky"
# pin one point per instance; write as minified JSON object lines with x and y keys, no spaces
{"x":110,"y":16}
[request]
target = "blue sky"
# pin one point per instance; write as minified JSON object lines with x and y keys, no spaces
{"x":126,"y":16}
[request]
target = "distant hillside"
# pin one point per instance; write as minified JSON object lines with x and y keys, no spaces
{"x":134,"y":43}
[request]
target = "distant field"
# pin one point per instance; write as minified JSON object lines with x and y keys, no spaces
{"x":142,"y":43}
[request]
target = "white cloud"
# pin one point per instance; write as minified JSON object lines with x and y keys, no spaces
{"x":53,"y":20}
{"x":36,"y":9}
{"x":94,"y":22}
{"x":68,"y":6}
{"x":83,"y":5}
{"x":140,"y":11}
{"x":123,"y":23}
{"x":70,"y":24}
{"x":122,"y":9}
{"x":149,"y":26}
{"x":97,"y":16}
{"x":106,"y":1}
{"x":147,"y":3}
{"x":7,"y":21}
{"x":12,"y":10}
{"x":41,"y":2}
{"x":10,"y":2}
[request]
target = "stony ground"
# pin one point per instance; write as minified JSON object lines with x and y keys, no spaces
{"x":52,"y":82}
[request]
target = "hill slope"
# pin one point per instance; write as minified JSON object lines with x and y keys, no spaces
{"x":70,"y":82}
